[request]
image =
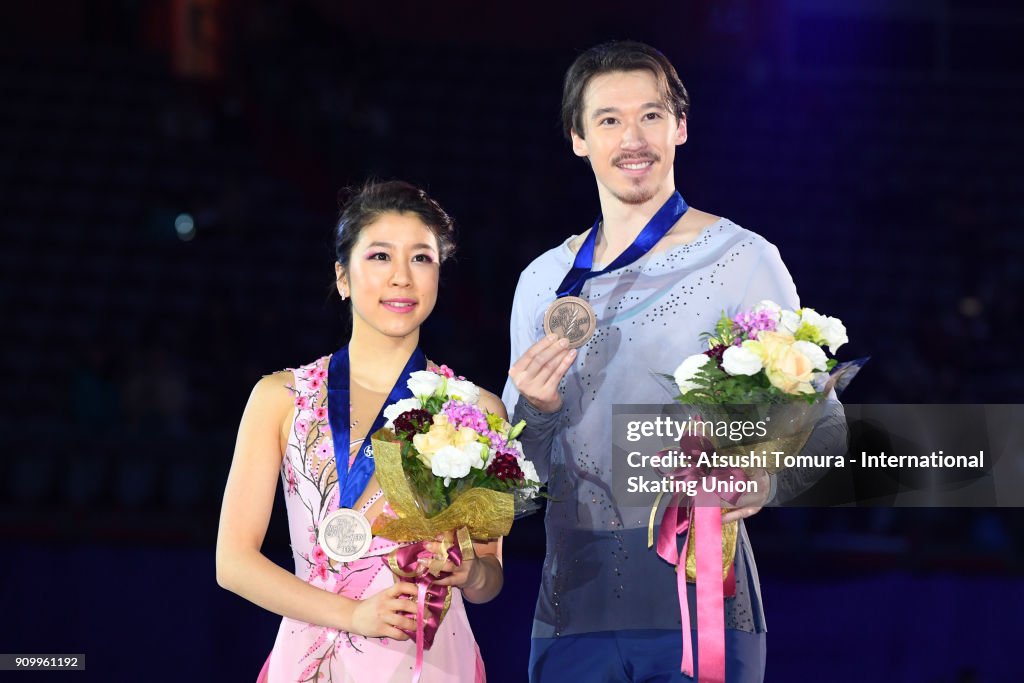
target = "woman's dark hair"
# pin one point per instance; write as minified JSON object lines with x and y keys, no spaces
{"x":374,"y":200}
{"x":626,"y":55}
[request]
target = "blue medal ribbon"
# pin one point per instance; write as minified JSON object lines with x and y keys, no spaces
{"x":352,"y":481}
{"x":656,"y":228}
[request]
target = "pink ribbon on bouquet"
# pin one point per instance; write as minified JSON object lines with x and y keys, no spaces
{"x":711,"y":591}
{"x":430,"y":597}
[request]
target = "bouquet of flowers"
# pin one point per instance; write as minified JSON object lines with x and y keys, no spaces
{"x":765,"y":355}
{"x":449,"y":468}
{"x":448,"y":446}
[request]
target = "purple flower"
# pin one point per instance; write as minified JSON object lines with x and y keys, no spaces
{"x":466,"y":415}
{"x":752,"y":324}
{"x":497,"y":441}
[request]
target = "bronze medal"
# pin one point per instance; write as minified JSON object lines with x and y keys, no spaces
{"x":571,"y":318}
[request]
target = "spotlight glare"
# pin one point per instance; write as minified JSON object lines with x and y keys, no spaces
{"x":185,"y":227}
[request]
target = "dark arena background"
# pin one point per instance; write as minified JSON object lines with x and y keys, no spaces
{"x":169,"y":173}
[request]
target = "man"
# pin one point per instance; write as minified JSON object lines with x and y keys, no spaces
{"x":608,"y":609}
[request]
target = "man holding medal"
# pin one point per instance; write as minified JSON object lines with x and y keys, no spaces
{"x":591,"y":318}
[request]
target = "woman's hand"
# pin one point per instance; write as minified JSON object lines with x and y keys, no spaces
{"x":480,"y":577}
{"x":467,"y":573}
{"x":539,"y":371}
{"x":383,"y":615}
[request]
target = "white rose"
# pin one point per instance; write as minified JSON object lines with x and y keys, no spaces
{"x":452,"y":462}
{"x":396,"y":409}
{"x":687,"y":370}
{"x":834,"y":332}
{"x":529,"y":474}
{"x":463,"y":390}
{"x":813,"y":353}
{"x":789,"y":321}
{"x":424,"y":383}
{"x":770,"y":306}
{"x":740,"y":361}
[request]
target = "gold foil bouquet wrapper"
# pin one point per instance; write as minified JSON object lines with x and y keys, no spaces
{"x":486,"y":514}
{"x":730,"y":534}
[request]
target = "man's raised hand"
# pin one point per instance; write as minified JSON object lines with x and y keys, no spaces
{"x":539,"y":371}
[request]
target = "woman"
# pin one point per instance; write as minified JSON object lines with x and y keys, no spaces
{"x":347,"y":621}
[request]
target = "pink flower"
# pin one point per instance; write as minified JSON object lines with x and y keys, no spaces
{"x":318,"y":373}
{"x":324,"y":450}
{"x":317,"y":555}
{"x":302,"y":427}
{"x":302,"y":402}
{"x":314,"y":383}
{"x":293,"y":484}
{"x":320,"y":414}
{"x":318,"y":571}
{"x":446,"y":371}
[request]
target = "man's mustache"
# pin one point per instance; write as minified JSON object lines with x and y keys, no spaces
{"x":634,"y":157}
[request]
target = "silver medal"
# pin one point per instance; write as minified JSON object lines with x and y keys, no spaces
{"x":345,"y":535}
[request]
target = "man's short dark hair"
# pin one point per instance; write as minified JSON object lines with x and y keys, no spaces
{"x":626,"y":55}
